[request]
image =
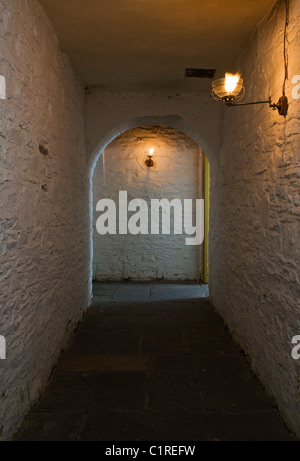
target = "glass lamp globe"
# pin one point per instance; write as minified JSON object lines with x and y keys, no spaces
{"x":228,"y":89}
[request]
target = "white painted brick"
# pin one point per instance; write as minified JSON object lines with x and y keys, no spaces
{"x":177,"y":174}
{"x":255,"y":274}
{"x":40,"y":232}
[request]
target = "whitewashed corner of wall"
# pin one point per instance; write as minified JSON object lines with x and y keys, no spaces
{"x":2,"y":87}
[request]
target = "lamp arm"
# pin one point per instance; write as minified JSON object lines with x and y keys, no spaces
{"x":250,"y":103}
{"x":281,"y":106}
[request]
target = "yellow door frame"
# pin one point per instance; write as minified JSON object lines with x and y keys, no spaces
{"x":206,"y":171}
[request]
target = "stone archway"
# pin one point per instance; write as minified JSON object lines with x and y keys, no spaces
{"x":175,"y":122}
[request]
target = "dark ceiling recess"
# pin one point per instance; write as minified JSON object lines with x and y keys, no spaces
{"x":200,"y":73}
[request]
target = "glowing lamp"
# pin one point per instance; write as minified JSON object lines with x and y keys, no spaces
{"x":228,"y":89}
{"x":149,"y":162}
{"x":231,"y":89}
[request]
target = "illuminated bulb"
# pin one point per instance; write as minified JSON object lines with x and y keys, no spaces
{"x":231,"y":82}
{"x":149,"y":162}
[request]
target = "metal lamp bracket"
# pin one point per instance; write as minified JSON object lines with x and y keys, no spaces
{"x":281,"y":106}
{"x":149,"y":162}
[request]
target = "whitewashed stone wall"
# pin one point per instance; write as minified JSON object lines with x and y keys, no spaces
{"x":177,"y":174}
{"x":255,"y":222}
{"x":44,"y":223}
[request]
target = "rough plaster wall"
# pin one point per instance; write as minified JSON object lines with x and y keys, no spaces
{"x":175,"y":175}
{"x":44,"y":206}
{"x":255,"y":222}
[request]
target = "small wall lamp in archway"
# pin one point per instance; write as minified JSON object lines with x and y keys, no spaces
{"x":149,"y":162}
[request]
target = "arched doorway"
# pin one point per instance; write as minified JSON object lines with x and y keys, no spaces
{"x":179,"y":174}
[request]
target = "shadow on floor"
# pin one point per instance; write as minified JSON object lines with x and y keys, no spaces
{"x":148,"y":365}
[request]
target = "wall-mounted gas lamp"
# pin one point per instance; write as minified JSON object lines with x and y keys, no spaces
{"x":230,"y":90}
{"x":149,"y":162}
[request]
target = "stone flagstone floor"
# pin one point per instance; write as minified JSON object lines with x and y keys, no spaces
{"x":152,"y":362}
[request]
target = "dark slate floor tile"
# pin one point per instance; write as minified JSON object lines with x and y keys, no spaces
{"x":95,"y":391}
{"x":51,"y":427}
{"x":152,"y":371}
{"x":174,"y":391}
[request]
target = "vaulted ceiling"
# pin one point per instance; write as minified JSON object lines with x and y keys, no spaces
{"x":145,"y":45}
